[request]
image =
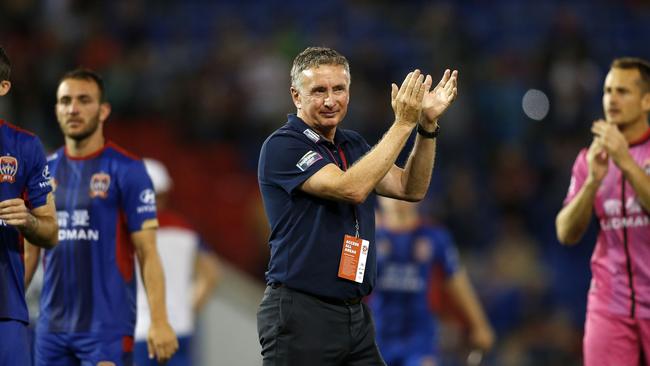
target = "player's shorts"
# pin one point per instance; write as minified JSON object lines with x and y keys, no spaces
{"x":182,"y":357}
{"x":615,"y":340}
{"x":414,"y":351}
{"x":14,"y":343}
{"x":83,"y":349}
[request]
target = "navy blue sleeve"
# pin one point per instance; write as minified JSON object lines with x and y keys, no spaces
{"x":38,"y":175}
{"x":138,"y":199}
{"x":446,"y":254}
{"x":288,"y":161}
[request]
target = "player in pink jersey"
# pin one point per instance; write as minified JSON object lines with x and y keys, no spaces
{"x":612,"y":179}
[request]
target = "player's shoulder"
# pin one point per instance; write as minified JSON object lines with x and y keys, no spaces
{"x":56,"y":155}
{"x":9,"y":129}
{"x":288,"y":132}
{"x":118,"y":152}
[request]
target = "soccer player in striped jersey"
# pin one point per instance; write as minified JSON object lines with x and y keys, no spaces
{"x":106,"y":214}
{"x":26,"y":212}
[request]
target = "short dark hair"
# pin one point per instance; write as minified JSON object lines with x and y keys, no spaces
{"x":314,"y":57}
{"x":5,"y":65}
{"x":86,"y":74}
{"x":635,"y":63}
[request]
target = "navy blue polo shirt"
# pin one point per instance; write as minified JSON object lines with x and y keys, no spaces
{"x":307,"y":231}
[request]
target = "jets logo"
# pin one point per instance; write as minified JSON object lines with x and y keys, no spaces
{"x":99,"y":184}
{"x":8,"y":169}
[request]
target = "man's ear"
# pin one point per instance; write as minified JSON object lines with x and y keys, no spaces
{"x":295,"y":96}
{"x":5,"y":85}
{"x":645,"y":102}
{"x":104,"y":111}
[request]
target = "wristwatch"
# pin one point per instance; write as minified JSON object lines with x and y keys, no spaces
{"x":430,"y":135}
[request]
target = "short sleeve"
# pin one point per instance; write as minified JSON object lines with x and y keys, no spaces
{"x":138,"y":199}
{"x":38,"y":175}
{"x":288,"y":161}
{"x":446,"y":252}
{"x":578,"y":176}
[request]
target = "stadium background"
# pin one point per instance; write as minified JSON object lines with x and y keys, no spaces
{"x":200,"y":84}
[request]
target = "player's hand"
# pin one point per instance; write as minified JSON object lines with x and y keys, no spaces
{"x":15,"y":213}
{"x":612,"y":140}
{"x":437,"y":101}
{"x":161,"y":341}
{"x":482,"y":338}
{"x":407,"y":99}
{"x":598,"y":161}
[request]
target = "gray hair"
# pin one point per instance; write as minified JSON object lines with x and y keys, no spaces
{"x":314,"y":57}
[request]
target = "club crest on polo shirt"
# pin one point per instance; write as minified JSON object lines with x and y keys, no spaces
{"x":311,"y":135}
{"x":8,"y":169}
{"x":308,"y":160}
{"x":99,"y":184}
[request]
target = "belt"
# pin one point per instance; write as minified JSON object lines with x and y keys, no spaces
{"x":329,"y":300}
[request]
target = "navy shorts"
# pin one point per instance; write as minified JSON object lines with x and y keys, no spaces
{"x":82,"y":349}
{"x":14,"y":343}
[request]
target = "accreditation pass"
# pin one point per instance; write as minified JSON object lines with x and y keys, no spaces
{"x":353,"y":258}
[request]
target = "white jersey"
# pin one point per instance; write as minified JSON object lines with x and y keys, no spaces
{"x":178,"y":247}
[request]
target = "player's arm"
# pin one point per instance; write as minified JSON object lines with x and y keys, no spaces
{"x":38,"y":226}
{"x":355,"y":184}
{"x":32,"y":255}
{"x":573,"y":219}
{"x":412,"y":182}
{"x":462,"y":292}
{"x":161,"y":341}
{"x":617,"y":147}
{"x":206,"y":278}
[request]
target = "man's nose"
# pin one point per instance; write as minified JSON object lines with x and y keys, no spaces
{"x":72,"y":108}
{"x":329,"y":100}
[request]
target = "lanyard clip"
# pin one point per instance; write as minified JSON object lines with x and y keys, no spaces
{"x":356,"y":227}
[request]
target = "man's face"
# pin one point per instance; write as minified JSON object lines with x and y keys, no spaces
{"x":624,"y":101}
{"x":322,"y":96}
{"x":78,"y":108}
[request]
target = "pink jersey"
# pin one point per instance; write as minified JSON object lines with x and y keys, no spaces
{"x":620,"y":264}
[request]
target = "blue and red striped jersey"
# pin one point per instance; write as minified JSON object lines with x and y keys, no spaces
{"x":89,"y":284}
{"x":23,"y":174}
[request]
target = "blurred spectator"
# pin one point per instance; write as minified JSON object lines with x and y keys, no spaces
{"x":409,"y":252}
{"x":191,"y":274}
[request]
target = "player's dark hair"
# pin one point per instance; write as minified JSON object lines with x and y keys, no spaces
{"x":5,"y":65}
{"x":635,"y":63}
{"x":86,"y":74}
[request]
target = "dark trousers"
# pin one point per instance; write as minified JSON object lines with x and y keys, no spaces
{"x":297,"y":329}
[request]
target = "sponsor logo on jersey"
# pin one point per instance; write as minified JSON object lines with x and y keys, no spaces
{"x":615,"y":223}
{"x":75,"y":225}
{"x":308,"y":160}
{"x":99,"y":184}
{"x":148,"y":197}
{"x":46,"y":172}
{"x":402,"y":277}
{"x":311,"y":135}
{"x":48,"y":178}
{"x":8,"y":169}
{"x":614,"y":207}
